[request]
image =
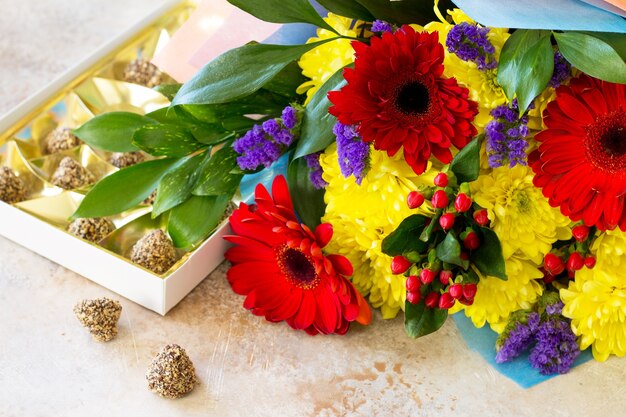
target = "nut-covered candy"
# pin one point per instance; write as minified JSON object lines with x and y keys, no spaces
{"x":12,"y":188}
{"x":93,"y":229}
{"x":171,"y":374}
{"x":155,"y":252}
{"x":144,"y":73}
{"x":61,"y":139}
{"x":71,"y":175}
{"x":100,"y":316}
{"x":126,"y":159}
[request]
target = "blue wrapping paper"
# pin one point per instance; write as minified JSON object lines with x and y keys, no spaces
{"x":542,"y":14}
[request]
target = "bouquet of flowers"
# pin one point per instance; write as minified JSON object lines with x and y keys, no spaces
{"x":434,"y":165}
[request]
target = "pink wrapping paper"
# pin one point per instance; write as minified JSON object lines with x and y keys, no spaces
{"x":214,"y":28}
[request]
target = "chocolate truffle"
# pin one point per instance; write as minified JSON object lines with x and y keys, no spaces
{"x":100,"y":316}
{"x":125,"y":159}
{"x":12,"y":188}
{"x":155,"y":252}
{"x":71,"y":175}
{"x":171,"y":374}
{"x":93,"y":230}
{"x":144,"y":73}
{"x":61,"y":139}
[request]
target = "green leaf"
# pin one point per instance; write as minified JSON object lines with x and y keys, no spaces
{"x":113,"y":131}
{"x":166,"y":140}
{"x":239,"y":73}
{"x":260,"y":102}
{"x":206,"y":133}
{"x":488,"y":257}
{"x":281,"y":11}
{"x":317,"y":123}
{"x":168,"y":90}
{"x":535,"y":70}
{"x":449,"y":250}
{"x":194,"y":220}
{"x":406,"y":237}
{"x":216,"y":176}
{"x":512,"y":56}
{"x":616,"y":40}
{"x":286,"y":82}
{"x":175,"y":187}
{"x":404,"y":11}
{"x":124,"y":189}
{"x":593,"y":56}
{"x":466,"y":164}
{"x":348,"y":8}
{"x":309,"y":203}
{"x":428,"y":231}
{"x":420,"y":320}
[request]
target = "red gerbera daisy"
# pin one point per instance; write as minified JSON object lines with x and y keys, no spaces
{"x":279,"y":265}
{"x":581,"y":162}
{"x":397,"y":96}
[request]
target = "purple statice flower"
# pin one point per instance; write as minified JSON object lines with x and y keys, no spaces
{"x":470,"y":43}
{"x":315,"y":175}
{"x":554,"y":309}
{"x":380,"y":26}
{"x":271,"y":127}
{"x":556,"y":348}
{"x":562,"y":70}
{"x":518,"y":339}
{"x":284,"y":137}
{"x":506,"y":136}
{"x":353,"y":153}
{"x":254,"y":149}
{"x":290,"y":117}
{"x":263,"y":144}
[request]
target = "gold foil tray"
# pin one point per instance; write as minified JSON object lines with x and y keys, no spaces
{"x":58,"y":209}
{"x":46,"y":166}
{"x":70,"y":112}
{"x":101,"y":95}
{"x":12,"y":157}
{"x":122,"y":240}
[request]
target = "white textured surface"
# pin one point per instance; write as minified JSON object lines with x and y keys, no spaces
{"x":49,"y":366}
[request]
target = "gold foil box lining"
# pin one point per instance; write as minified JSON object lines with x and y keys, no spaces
{"x":101,"y":95}
{"x":46,"y":166}
{"x":12,"y":157}
{"x":122,"y":240}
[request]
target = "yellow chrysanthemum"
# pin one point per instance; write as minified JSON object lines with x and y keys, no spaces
{"x":596,"y":299}
{"x":535,"y":118}
{"x":362,"y":216}
{"x":520,"y":215}
{"x":496,"y":299}
{"x":483,"y":85}
{"x":322,"y":62}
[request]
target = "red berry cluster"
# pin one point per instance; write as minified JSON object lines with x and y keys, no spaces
{"x":433,"y":282}
{"x":571,"y":257}
{"x":418,"y":286}
{"x":448,"y":214}
{"x":438,"y":286}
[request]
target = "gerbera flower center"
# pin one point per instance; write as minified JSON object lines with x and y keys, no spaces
{"x":606,"y":141}
{"x":413,"y":98}
{"x":297,"y":267}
